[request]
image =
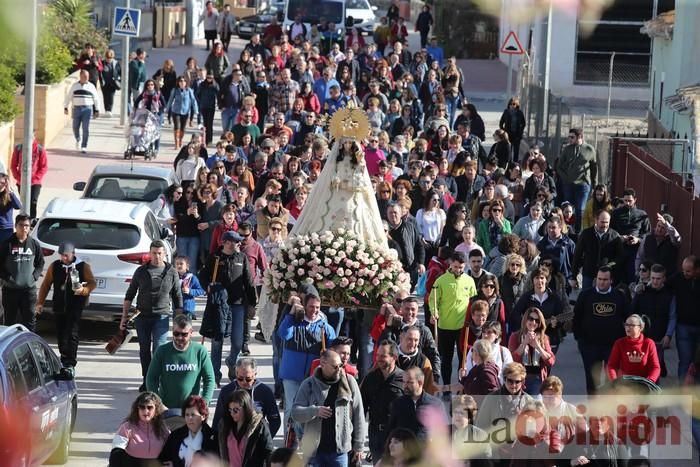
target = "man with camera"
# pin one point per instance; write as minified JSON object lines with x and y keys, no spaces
{"x":72,"y":282}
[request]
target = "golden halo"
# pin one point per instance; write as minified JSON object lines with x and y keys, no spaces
{"x":349,"y":123}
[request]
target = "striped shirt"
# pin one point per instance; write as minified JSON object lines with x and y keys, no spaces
{"x":82,"y":95}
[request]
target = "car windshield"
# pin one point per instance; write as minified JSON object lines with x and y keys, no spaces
{"x":125,"y":188}
{"x":357,"y":5}
{"x":313,"y":11}
{"x":89,"y":235}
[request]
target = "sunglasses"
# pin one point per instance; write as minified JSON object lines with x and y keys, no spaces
{"x":386,"y":192}
{"x":335,"y":367}
{"x":497,"y":210}
{"x":642,"y":269}
{"x":181,"y":334}
{"x":514,"y":381}
{"x":488,"y":286}
{"x":234,"y":410}
{"x":275,"y":229}
{"x":242,"y":379}
{"x":517,"y":265}
{"x":147,"y":407}
{"x":178,"y":192}
{"x":534,"y":319}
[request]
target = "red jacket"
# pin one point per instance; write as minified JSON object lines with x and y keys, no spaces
{"x":636,"y":357}
{"x":436,"y":268}
{"x":256,"y":256}
{"x":39,"y":163}
{"x":218,"y":232}
{"x":545,"y":365}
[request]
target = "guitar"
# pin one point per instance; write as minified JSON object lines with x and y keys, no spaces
{"x":561,"y":318}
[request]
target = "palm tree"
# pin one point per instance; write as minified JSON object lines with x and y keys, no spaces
{"x":77,"y":11}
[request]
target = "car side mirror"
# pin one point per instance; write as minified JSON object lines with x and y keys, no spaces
{"x":79,"y":186}
{"x":166,"y":233}
{"x":375,"y":7}
{"x":64,"y":375}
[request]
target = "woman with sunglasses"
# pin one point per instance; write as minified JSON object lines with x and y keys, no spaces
{"x":490,"y":232}
{"x":455,"y":222}
{"x":142,"y":435}
{"x":244,"y":438}
{"x":635,"y":354}
{"x":538,"y":179}
{"x":164,"y":206}
{"x":431,"y":222}
{"x":210,"y":212}
{"x":513,"y":283}
{"x":181,"y":106}
{"x":187,"y":214}
{"x":195,"y":438}
{"x":530,"y":346}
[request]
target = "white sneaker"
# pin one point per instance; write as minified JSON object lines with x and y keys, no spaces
{"x":83,"y":149}
{"x":77,"y":145}
{"x":108,"y":114}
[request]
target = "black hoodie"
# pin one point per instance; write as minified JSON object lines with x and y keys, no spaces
{"x":21,"y":263}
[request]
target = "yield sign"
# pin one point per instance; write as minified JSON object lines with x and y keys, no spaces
{"x":512,"y":45}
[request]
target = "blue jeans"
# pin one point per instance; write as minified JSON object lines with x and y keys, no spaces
{"x":290,"y":391}
{"x":152,"y":332}
{"x":188,"y":246}
{"x":81,"y":118}
{"x":237,"y":317}
{"x":228,"y":118}
{"x":687,"y":339}
{"x":577,"y":194}
{"x":329,"y":459}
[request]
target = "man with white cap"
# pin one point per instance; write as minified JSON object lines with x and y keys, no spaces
{"x":72,"y":281}
{"x":234,"y":275}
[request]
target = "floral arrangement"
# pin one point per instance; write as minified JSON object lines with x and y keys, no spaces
{"x":345,"y":270}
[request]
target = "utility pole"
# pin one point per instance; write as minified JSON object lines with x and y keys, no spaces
{"x":547,"y":60}
{"x":125,"y":76}
{"x":29,"y":81}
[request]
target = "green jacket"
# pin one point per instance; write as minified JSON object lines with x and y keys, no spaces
{"x":577,"y":165}
{"x":175,"y":375}
{"x":450,"y":297}
{"x":482,"y":234}
{"x":137,"y":74}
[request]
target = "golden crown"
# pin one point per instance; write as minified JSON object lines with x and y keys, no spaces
{"x":349,"y":123}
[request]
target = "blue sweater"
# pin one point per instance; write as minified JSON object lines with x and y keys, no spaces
{"x":196,"y":290}
{"x":301,"y":341}
{"x":7,"y":220}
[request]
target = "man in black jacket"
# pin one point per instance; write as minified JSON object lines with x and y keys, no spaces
{"x":157,"y":283}
{"x":408,"y":237}
{"x":408,"y":316}
{"x":599,"y":316}
{"x":597,"y":246}
{"x":632,"y":224}
{"x":408,"y":410}
{"x":21,"y":264}
{"x":469,"y":184}
{"x":382,"y":386}
{"x":686,"y":288}
{"x":260,"y":393}
{"x":234,"y":275}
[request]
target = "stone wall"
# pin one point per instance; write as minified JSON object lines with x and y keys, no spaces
{"x":49,"y":118}
{"x":7,"y":131}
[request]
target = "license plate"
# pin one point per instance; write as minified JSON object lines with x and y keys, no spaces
{"x":101,"y":283}
{"x":244,"y":29}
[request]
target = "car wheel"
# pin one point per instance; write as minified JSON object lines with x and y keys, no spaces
{"x":60,"y":455}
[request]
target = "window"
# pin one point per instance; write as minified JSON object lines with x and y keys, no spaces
{"x":91,"y":235}
{"x":357,"y":4}
{"x":32,"y":380}
{"x":314,"y":10}
{"x":152,"y":227}
{"x":14,"y":374}
{"x":45,"y":359}
{"x":617,"y":31}
{"x":126,"y":188}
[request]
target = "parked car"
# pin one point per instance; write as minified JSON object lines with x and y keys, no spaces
{"x":128,"y":182}
{"x":363,"y":15}
{"x":113,"y":236}
{"x":256,"y":24}
{"x":38,"y":401}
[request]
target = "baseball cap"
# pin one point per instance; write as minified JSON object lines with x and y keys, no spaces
{"x":231,"y":236}
{"x":66,"y":248}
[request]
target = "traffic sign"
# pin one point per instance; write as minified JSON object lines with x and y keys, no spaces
{"x":126,"y":21}
{"x":512,"y":45}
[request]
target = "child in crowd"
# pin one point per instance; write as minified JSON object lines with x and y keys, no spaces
{"x":189,"y":283}
{"x":469,"y":243}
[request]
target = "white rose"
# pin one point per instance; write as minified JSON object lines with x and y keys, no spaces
{"x":340,"y":271}
{"x":300,"y":272}
{"x":360,"y":282}
{"x":348,"y":272}
{"x":327,"y":262}
{"x":341,"y":255}
{"x":301,"y":262}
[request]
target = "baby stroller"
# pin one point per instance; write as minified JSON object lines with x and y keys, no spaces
{"x":142,"y":134}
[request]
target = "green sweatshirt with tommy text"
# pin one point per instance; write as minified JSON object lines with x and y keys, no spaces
{"x":176,"y":374}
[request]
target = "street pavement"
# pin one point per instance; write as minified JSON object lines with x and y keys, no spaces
{"x":108,"y":384}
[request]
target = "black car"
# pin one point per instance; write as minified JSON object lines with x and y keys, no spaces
{"x":256,"y":24}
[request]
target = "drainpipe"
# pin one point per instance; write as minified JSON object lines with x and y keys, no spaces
{"x":696,"y":145}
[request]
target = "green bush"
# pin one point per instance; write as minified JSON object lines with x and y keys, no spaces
{"x":8,"y":108}
{"x":75,"y":34}
{"x":54,"y":60}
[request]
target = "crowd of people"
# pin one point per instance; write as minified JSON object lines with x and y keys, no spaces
{"x":496,"y":242}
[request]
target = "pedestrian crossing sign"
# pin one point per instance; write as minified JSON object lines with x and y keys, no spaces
{"x":126,"y":21}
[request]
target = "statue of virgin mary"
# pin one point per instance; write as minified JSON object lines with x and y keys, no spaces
{"x":341,"y":197}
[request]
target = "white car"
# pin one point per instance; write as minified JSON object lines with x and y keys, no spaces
{"x":126,"y":182}
{"x":112,"y":236}
{"x":363,"y":15}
